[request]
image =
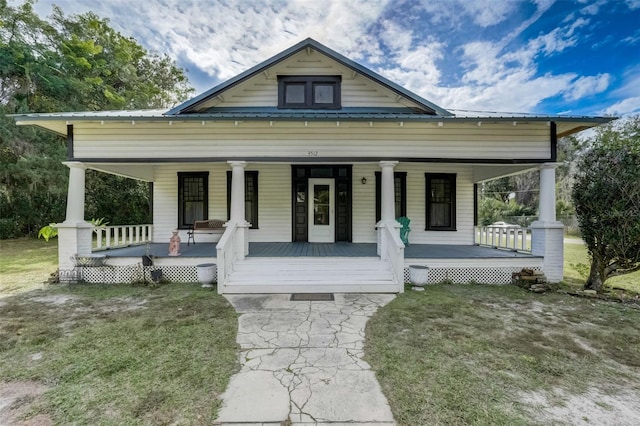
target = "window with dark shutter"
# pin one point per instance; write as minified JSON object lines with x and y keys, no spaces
{"x":193,"y":198}
{"x":440,"y":201}
{"x":309,"y":92}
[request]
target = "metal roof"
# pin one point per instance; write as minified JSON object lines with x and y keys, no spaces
{"x":276,"y":114}
{"x":308,"y":43}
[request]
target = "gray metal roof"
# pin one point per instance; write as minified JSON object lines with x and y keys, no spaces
{"x":296,"y":115}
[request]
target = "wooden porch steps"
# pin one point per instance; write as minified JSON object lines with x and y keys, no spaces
{"x":311,"y":275}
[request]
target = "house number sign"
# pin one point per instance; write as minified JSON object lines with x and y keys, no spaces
{"x":312,"y":153}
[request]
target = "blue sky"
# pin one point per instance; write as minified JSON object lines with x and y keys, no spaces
{"x":542,"y":56}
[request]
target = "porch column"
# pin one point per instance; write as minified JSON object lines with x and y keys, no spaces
{"x":547,"y":234}
{"x":237,"y":207}
{"x":387,"y":195}
{"x":74,"y":234}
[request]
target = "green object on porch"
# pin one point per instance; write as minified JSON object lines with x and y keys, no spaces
{"x":404,"y":231}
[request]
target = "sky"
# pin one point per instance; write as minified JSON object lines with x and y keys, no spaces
{"x":536,"y":56}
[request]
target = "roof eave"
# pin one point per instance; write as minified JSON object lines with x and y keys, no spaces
{"x":293,"y":50}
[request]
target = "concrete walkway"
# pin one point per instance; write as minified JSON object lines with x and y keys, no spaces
{"x":302,"y":362}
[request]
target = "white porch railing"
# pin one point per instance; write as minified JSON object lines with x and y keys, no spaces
{"x":391,"y":248}
{"x":227,"y":253}
{"x":121,"y":236}
{"x":501,"y":237}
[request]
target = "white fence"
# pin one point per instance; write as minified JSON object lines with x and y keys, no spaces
{"x":512,"y":238}
{"x":121,"y":236}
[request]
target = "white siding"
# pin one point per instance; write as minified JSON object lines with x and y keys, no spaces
{"x":364,"y":203}
{"x":295,"y":139}
{"x":274,"y":202}
{"x":262,"y":90}
{"x":274,"y":191}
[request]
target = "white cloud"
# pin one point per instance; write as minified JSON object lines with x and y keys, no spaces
{"x":624,"y":107}
{"x":633,"y":4}
{"x":587,"y":86}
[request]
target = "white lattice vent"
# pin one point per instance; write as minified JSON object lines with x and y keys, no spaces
{"x":137,"y":273}
{"x":489,"y":275}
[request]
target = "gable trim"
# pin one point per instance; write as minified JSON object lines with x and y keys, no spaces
{"x":189,"y":105}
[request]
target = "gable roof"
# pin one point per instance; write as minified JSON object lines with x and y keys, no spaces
{"x":191,"y":105}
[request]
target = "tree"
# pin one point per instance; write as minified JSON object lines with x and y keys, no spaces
{"x":606,"y":195}
{"x":69,"y":63}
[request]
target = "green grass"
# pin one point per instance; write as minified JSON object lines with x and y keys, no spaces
{"x":26,"y":264}
{"x":466,"y":354}
{"x":111,"y":354}
{"x":576,"y":270}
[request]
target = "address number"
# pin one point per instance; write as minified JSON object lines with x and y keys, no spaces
{"x":312,"y":153}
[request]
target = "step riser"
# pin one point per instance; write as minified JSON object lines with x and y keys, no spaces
{"x":305,"y":288}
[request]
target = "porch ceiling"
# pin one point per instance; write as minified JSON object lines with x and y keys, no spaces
{"x":137,"y":171}
{"x":487,"y":172}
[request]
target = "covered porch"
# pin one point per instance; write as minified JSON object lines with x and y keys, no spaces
{"x":253,"y":266}
{"x":326,"y":262}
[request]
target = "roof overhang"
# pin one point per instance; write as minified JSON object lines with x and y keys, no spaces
{"x":57,"y":122}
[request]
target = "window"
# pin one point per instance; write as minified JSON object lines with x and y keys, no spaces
{"x":193,"y":198}
{"x":400,"y":193}
{"x":311,"y":92}
{"x":441,"y":201}
{"x":250,"y":197}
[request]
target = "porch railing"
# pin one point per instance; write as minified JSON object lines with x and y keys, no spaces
{"x":227,"y":253}
{"x":391,"y":248}
{"x":121,"y":236}
{"x":512,"y":238}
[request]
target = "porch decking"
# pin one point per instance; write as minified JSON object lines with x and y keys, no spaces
{"x":413,"y":251}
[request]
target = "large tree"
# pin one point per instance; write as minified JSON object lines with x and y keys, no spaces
{"x":606,"y":195}
{"x":69,"y":63}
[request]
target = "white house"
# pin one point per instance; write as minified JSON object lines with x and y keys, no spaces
{"x":310,"y":158}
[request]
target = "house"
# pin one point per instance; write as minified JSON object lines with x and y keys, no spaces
{"x":310,"y":158}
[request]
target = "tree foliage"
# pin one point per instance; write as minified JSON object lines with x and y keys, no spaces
{"x":69,"y":63}
{"x":606,"y":195}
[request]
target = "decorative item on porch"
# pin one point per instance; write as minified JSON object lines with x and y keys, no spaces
{"x":207,"y":274}
{"x":174,"y":244}
{"x":418,"y":275}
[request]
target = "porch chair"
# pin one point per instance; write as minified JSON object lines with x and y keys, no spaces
{"x":404,"y":231}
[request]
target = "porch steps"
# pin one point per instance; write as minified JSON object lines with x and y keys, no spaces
{"x":311,"y":275}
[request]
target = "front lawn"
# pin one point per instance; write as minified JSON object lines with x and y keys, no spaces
{"x":499,"y":355}
{"x":115,"y":354}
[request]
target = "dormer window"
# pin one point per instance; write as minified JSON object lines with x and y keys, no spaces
{"x":309,"y":92}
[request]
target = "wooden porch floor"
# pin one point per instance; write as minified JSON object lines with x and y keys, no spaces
{"x":413,"y":251}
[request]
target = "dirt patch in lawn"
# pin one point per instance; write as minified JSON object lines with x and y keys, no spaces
{"x":16,"y":401}
{"x":620,"y":407}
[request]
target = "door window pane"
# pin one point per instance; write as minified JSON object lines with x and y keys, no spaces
{"x":321,"y":205}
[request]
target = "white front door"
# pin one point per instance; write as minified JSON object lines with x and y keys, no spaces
{"x":321,"y":211}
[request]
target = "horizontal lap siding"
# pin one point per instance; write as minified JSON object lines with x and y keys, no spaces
{"x":262,"y":90}
{"x":274,"y":202}
{"x":364,"y":203}
{"x":330,"y":139}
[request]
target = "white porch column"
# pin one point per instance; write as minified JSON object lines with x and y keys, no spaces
{"x":237,"y":207}
{"x":387,"y":193}
{"x":74,"y":234}
{"x":547,"y":234}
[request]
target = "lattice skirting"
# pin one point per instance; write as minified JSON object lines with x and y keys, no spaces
{"x":488,"y":275}
{"x":188,"y":274}
{"x":136,"y":273}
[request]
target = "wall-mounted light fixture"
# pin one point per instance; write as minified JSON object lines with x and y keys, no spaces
{"x":363,"y":180}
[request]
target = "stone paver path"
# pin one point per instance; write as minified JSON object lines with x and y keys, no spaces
{"x":302,"y":362}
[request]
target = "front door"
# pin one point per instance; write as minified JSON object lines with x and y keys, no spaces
{"x":321,"y":211}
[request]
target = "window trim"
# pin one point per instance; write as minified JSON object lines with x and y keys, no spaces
{"x":451,"y":177}
{"x":403,"y":193}
{"x":248,"y":174}
{"x":205,"y":195}
{"x":309,"y":81}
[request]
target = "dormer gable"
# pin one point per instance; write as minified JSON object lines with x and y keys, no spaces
{"x":308,"y":76}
